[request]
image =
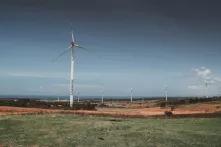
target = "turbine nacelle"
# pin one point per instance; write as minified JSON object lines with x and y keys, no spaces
{"x":73,"y":44}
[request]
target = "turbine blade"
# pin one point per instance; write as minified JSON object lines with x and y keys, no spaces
{"x":72,"y":36}
{"x":61,"y":54}
{"x":83,"y":48}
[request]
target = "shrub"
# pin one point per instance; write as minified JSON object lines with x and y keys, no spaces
{"x":172,"y":107}
{"x":168,"y":113}
{"x":47,"y":105}
{"x":163,"y":104}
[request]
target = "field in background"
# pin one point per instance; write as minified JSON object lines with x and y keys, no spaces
{"x":117,"y":108}
{"x":72,"y":130}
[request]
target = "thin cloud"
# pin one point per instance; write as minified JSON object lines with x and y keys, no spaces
{"x":206,"y":75}
{"x":37,"y":74}
{"x":205,"y":78}
{"x":203,"y":72}
{"x":194,"y":87}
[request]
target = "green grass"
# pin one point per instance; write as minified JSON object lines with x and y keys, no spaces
{"x":72,"y":130}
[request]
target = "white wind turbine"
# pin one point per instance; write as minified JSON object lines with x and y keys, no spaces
{"x":71,"y":49}
{"x":78,"y":98}
{"x":131,"y":95}
{"x":102,"y":95}
{"x":206,"y":88}
{"x":166,"y":92}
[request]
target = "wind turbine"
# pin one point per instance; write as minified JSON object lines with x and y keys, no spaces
{"x":102,"y":96}
{"x":78,"y":98}
{"x":131,"y":95}
{"x":71,"y":49}
{"x":206,"y":88}
{"x":166,"y":92}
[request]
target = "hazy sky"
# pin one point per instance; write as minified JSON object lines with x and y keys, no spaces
{"x":144,"y":44}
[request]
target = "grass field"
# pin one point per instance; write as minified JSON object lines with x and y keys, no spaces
{"x":72,"y":130}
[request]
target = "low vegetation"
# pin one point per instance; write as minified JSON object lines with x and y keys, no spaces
{"x":32,"y":103}
{"x":176,"y":102}
{"x":73,"y":130}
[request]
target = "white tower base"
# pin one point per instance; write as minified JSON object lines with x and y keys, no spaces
{"x":72,"y":78}
{"x":131,"y":95}
{"x":71,"y":100}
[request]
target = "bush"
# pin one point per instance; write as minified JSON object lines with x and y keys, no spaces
{"x":47,"y":105}
{"x":168,"y":113}
{"x":172,"y":107}
{"x":163,"y":104}
{"x":84,"y":106}
{"x":102,"y":105}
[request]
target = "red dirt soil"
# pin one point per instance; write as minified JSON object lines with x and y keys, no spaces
{"x":195,"y":110}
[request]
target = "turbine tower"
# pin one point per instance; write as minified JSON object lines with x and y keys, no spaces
{"x":78,"y":98}
{"x":72,"y":49}
{"x":102,"y":96}
{"x":131,"y":95}
{"x":206,"y":88}
{"x":166,"y":92}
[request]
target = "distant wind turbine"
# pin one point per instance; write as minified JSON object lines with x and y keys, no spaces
{"x":131,"y":95}
{"x":102,"y":96}
{"x":71,"y":49}
{"x":166,"y":92}
{"x":206,"y":88}
{"x":78,"y":98}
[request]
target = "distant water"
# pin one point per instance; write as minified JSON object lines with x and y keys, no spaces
{"x":51,"y":97}
{"x":54,"y":97}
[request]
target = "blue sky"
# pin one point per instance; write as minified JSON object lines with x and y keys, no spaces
{"x":141,"y":44}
